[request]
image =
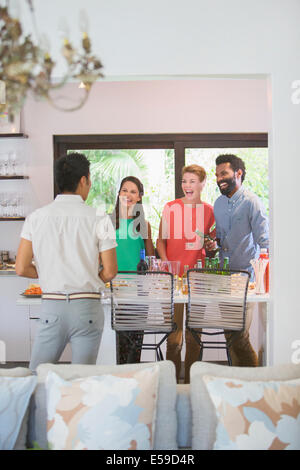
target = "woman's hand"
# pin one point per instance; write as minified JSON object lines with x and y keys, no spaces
{"x":210,"y":245}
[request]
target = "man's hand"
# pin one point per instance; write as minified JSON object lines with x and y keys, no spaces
{"x":109,"y":265}
{"x":24,"y":266}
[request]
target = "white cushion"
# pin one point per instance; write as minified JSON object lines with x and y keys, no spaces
{"x":255,"y":415}
{"x":184,"y":416}
{"x":166,"y":423}
{"x":107,"y":412}
{"x":203,"y":410}
{"x":16,"y":388}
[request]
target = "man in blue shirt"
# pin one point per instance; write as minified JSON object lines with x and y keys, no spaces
{"x":241,"y":223}
{"x":242,"y":229}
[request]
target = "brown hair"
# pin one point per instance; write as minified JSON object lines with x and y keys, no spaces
{"x":139,"y":209}
{"x":196,"y":169}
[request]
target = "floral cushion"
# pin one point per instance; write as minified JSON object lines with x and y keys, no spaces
{"x":102,"y":412}
{"x":255,"y":415}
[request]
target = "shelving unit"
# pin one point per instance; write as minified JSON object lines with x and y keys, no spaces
{"x":13,"y":177}
{"x":18,"y":135}
{"x":11,"y":219}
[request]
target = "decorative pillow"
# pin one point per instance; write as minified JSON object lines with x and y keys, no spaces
{"x":15,"y":393}
{"x":255,"y":415}
{"x":102,"y":412}
{"x":166,"y":419}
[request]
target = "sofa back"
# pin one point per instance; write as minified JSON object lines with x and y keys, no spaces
{"x":165,"y":436}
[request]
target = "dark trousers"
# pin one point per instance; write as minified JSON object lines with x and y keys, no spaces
{"x":241,"y":350}
{"x":129,"y":347}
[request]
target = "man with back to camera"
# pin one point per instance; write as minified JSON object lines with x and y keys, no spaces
{"x":67,"y":239}
{"x":241,"y":230}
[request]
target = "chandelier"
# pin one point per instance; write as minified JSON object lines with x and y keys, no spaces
{"x":27,"y":67}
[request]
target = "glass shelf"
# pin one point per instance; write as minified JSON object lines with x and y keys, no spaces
{"x":3,"y":219}
{"x":12,"y":135}
{"x":14,"y":177}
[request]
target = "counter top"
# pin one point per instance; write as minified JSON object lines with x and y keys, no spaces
{"x":178,"y":299}
{"x":7,"y":272}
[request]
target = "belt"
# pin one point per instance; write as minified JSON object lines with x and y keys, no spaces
{"x":74,"y":296}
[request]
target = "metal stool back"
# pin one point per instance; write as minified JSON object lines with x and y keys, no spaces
{"x":216,"y":301}
{"x":143,"y":302}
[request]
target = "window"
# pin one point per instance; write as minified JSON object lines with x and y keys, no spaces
{"x":256,"y":163}
{"x":153,"y":167}
{"x":157,"y":161}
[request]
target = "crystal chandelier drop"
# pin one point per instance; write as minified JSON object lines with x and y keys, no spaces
{"x":26,"y":67}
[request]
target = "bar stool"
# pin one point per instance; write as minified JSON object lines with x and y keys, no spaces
{"x":216,"y":301}
{"x":143,"y":302}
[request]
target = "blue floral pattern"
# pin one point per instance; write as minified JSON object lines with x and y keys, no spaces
{"x":255,"y":415}
{"x":102,"y":412}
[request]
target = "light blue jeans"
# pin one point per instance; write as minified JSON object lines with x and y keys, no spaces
{"x":78,"y":322}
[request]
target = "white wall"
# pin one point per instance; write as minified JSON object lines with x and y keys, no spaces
{"x":159,"y":106}
{"x":198,"y":38}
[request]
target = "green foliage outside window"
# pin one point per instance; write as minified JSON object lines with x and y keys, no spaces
{"x":155,"y":168}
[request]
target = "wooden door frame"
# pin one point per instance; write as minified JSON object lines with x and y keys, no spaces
{"x":179,"y":142}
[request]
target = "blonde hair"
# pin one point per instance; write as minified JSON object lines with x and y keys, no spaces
{"x":196,"y":169}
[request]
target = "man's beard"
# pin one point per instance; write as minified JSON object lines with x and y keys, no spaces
{"x":231,"y":184}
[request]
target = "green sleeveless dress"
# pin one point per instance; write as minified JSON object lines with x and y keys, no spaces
{"x":128,"y":344}
{"x":129,"y":246}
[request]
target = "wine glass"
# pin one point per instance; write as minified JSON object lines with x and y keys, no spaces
{"x":4,"y":204}
{"x":2,"y":169}
{"x":6,"y":163}
{"x":14,"y":204}
{"x":13,"y":163}
{"x":20,"y":210}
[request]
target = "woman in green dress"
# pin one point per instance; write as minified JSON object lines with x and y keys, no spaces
{"x":133,"y":233}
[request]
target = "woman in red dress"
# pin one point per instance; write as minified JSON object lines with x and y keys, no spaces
{"x":178,"y":241}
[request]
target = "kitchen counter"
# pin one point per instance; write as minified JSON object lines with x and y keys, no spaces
{"x":178,"y":299}
{"x":7,"y":272}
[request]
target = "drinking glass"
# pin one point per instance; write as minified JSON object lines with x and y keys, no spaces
{"x":12,"y":163}
{"x":165,"y":266}
{"x":2,"y":169}
{"x":14,"y":201}
{"x":1,"y":205}
{"x":20,"y":205}
{"x":174,"y":268}
{"x":156,"y":264}
{"x":4,"y":201}
{"x":6,"y":164}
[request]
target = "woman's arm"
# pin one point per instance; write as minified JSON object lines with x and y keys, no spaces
{"x":148,"y":242}
{"x":161,"y":244}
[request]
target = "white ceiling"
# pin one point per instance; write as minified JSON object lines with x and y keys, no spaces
{"x":164,"y":38}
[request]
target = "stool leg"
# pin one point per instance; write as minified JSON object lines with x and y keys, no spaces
{"x":228,"y":357}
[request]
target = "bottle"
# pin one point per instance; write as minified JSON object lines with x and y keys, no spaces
{"x":184,"y":288}
{"x":217,"y":264}
{"x":185,"y":270}
{"x":225,"y":266}
{"x":207,"y":263}
{"x":199,"y":263}
{"x":265,"y":255}
{"x":142,"y":265}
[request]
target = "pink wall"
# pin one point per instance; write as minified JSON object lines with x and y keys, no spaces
{"x":145,"y":106}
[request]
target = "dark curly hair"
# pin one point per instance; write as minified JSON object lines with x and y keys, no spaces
{"x":236,"y":163}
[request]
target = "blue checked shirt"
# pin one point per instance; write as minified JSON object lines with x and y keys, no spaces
{"x":242,"y":227}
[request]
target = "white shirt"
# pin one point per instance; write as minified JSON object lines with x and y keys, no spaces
{"x":67,"y":237}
